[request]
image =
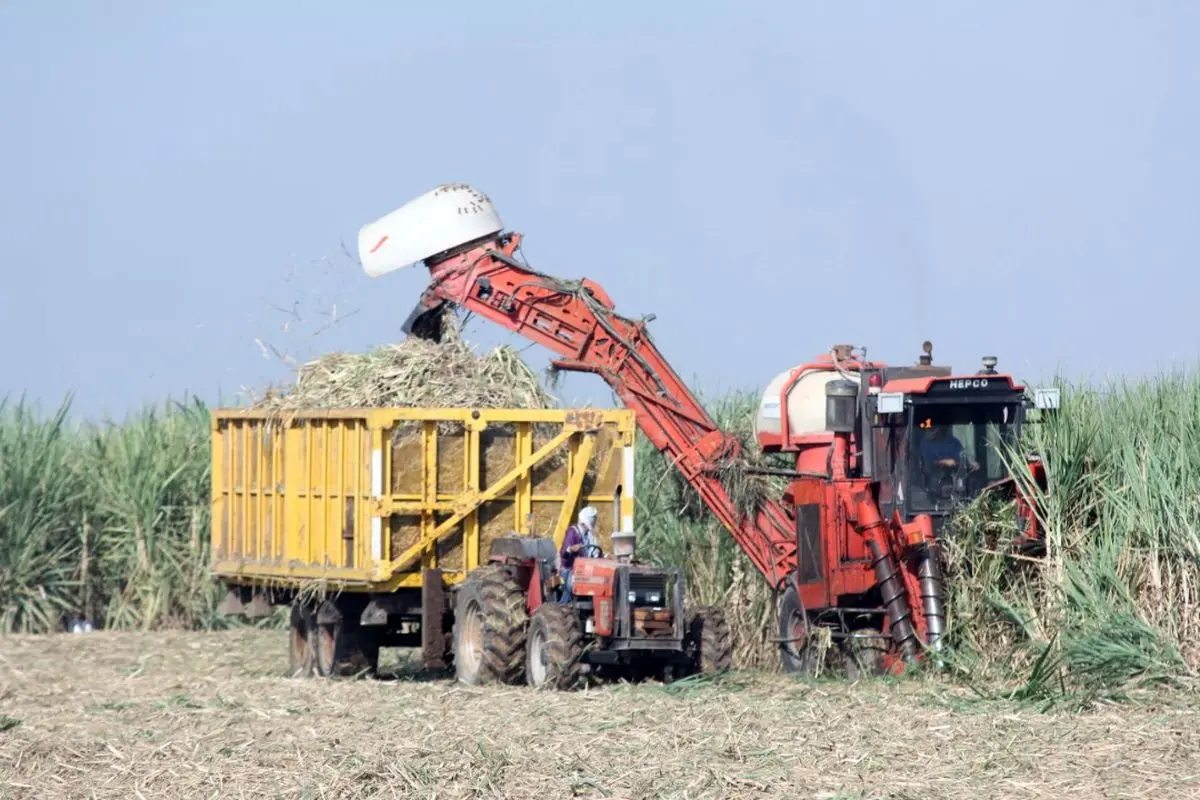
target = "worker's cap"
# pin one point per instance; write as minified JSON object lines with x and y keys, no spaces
{"x":587,"y":515}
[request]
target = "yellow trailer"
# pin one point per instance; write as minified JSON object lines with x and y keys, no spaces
{"x":363,"y":520}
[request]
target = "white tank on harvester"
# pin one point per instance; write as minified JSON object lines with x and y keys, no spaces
{"x":805,"y":398}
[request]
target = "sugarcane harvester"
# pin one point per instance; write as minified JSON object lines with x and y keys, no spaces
{"x":851,"y":546}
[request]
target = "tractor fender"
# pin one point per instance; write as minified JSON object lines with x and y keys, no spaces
{"x":521,"y":549}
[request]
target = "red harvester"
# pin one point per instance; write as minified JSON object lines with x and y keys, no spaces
{"x":851,"y":546}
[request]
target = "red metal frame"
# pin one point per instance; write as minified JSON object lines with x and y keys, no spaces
{"x":594,"y":578}
{"x":576,"y":320}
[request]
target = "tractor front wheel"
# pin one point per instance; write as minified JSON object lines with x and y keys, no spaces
{"x":489,"y":628}
{"x":709,"y":641}
{"x":555,"y":649}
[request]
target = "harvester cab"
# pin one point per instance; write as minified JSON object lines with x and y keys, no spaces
{"x":937,"y":441}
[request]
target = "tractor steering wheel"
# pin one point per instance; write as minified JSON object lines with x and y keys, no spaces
{"x":587,"y":550}
{"x":952,"y":481}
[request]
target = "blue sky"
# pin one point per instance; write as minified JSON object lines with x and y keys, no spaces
{"x":1017,"y":179}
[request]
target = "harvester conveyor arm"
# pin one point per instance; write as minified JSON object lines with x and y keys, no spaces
{"x":576,"y":320}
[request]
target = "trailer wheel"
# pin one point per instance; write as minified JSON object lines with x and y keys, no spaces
{"x":797,"y":647}
{"x":364,"y":653}
{"x":342,"y":649}
{"x":553,"y":659}
{"x":709,"y":641}
{"x":489,"y":628}
{"x":301,"y":656}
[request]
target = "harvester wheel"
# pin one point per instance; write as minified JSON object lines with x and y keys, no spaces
{"x":489,"y":628}
{"x":866,"y":653}
{"x":798,"y":649}
{"x":553,"y":659}
{"x":709,"y":641}
{"x":301,"y":656}
{"x":342,"y":649}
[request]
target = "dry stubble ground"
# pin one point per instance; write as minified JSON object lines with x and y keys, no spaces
{"x":113,"y":715}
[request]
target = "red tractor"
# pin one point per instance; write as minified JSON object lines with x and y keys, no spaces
{"x":851,"y":546}
{"x":623,"y":619}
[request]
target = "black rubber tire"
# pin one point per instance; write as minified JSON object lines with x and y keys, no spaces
{"x":365,"y":650}
{"x":327,"y":636}
{"x":555,"y":628}
{"x":709,"y":641}
{"x":796,"y":657}
{"x":864,"y":658}
{"x":491,"y":599}
{"x":340,"y":649}
{"x":670,"y":672}
{"x":301,"y":656}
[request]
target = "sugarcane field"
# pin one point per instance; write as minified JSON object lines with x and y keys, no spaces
{"x":779,"y":400}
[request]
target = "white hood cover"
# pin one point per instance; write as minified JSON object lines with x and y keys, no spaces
{"x":446,"y":217}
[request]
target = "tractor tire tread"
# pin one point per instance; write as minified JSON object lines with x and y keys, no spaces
{"x":505,"y":620}
{"x":564,"y":645}
{"x":712,"y":640}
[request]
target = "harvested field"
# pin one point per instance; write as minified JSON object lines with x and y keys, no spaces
{"x":111,"y":715}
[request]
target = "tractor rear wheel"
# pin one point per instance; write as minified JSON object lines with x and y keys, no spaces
{"x":554,"y":656}
{"x":489,"y":628}
{"x":708,"y":641}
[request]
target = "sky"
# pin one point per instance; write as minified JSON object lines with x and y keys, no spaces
{"x":182,"y":183}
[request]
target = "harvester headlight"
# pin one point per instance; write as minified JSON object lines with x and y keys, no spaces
{"x":633,"y":597}
{"x":890,"y":403}
{"x":654,"y":597}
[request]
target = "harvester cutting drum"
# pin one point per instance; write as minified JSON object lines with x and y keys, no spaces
{"x":883,"y":454}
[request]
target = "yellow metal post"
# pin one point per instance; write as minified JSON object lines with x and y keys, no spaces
{"x":473,"y":464}
{"x":380,"y":531}
{"x":429,"y":492}
{"x":220,"y":487}
{"x":574,"y":486}
{"x":523,"y":500}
